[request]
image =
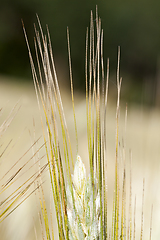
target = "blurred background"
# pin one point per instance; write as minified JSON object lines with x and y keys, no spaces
{"x":132,"y":25}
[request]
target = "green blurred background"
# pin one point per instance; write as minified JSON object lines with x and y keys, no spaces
{"x":133,"y":25}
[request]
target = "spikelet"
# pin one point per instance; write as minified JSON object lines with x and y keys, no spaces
{"x":84,"y":223}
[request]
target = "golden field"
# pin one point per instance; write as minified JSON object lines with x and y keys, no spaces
{"x":142,"y":137}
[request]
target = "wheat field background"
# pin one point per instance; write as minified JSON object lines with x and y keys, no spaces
{"x":142,"y":138}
